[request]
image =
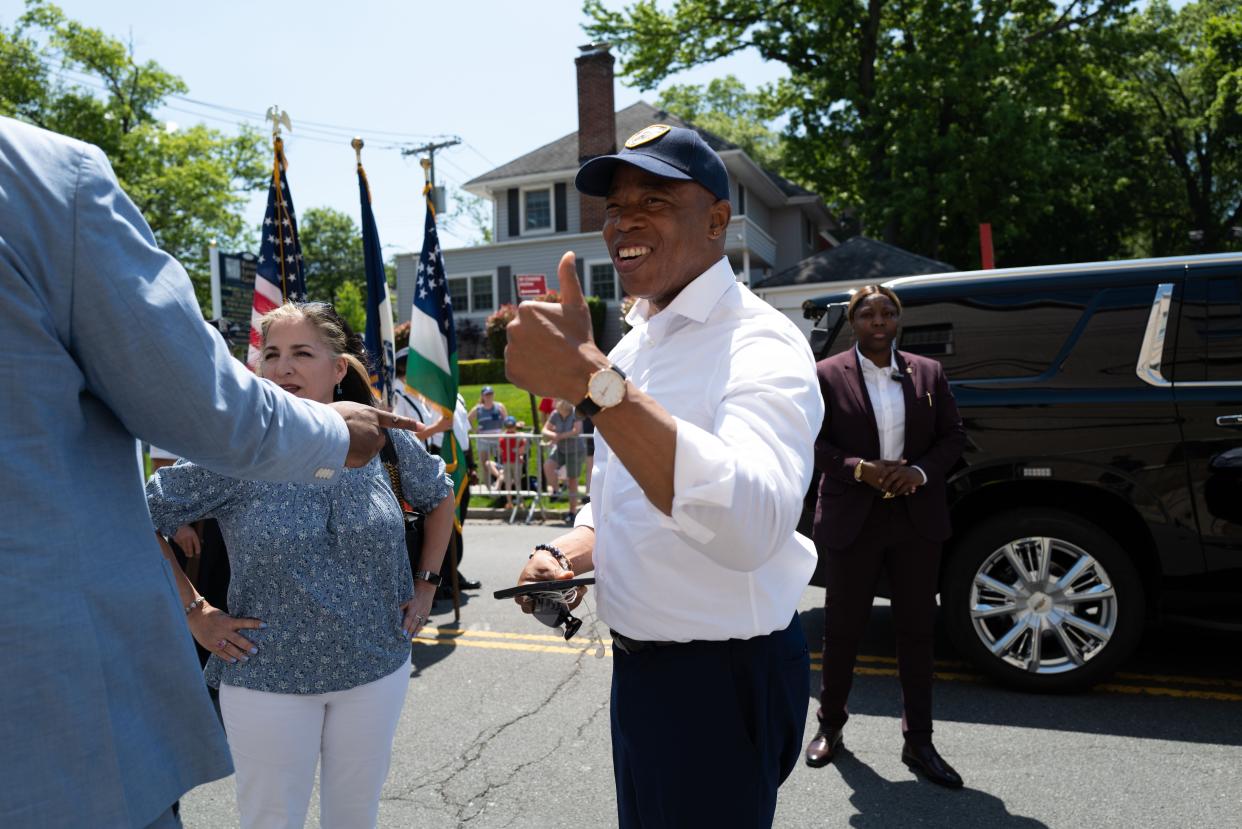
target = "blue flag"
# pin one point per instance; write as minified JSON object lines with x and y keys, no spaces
{"x":380,"y":340}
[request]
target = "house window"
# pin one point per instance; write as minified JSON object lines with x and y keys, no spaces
{"x":481,"y":296}
{"x":537,"y":210}
{"x":603,"y":281}
{"x":741,"y":199}
{"x":459,"y":293}
{"x":472,"y":293}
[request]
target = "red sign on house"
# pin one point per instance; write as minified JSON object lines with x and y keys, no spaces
{"x":531,"y":285}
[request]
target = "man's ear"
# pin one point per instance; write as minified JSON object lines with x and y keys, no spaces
{"x":720,"y":213}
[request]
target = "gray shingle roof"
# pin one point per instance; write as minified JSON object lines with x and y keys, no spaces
{"x":858,"y":258}
{"x":562,"y":154}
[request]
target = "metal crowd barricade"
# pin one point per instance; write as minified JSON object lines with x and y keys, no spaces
{"x":516,"y":477}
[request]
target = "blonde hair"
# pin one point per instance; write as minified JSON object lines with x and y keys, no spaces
{"x":336,"y":334}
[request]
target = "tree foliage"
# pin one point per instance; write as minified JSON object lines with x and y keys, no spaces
{"x":727,"y":108}
{"x":331,"y":253}
{"x":190,"y":184}
{"x":1080,"y":130}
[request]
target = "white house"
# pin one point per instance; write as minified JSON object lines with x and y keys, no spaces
{"x":538,"y":214}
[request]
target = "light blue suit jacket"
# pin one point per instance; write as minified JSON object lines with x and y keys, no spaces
{"x":104,"y":718}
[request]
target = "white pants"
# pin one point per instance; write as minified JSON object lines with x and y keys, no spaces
{"x":277,"y":739}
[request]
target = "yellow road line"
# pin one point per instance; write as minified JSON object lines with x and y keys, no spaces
{"x":533,"y":643}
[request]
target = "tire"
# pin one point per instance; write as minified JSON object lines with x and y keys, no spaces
{"x":1068,"y":635}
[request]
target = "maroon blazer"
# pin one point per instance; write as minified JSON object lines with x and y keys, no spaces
{"x":934,"y":441}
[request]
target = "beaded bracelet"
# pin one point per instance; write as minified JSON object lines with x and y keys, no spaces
{"x":201,"y":600}
{"x":556,"y":554}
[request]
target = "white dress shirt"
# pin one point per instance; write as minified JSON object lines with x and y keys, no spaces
{"x":888,"y":400}
{"x":739,"y":380}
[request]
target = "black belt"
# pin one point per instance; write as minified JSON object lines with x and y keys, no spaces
{"x":632,"y":646}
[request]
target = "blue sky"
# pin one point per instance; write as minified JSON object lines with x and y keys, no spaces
{"x":498,"y":74}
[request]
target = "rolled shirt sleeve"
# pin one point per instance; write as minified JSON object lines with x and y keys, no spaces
{"x":738,"y":486}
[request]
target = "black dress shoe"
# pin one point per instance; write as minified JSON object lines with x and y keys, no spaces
{"x":464,"y":583}
{"x":820,"y":751}
{"x":925,"y":760}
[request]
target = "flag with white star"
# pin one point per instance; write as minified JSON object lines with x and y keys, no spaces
{"x":278,"y":278}
{"x":431,"y":368}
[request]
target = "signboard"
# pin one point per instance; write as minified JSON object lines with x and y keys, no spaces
{"x":237,"y":271}
{"x":531,"y":285}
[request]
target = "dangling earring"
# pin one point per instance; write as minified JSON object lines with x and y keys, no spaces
{"x":339,"y":392}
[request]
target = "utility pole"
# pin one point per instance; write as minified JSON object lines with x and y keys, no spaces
{"x":430,"y":150}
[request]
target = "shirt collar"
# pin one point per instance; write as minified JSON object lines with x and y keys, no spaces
{"x":867,"y":365}
{"x":695,"y":302}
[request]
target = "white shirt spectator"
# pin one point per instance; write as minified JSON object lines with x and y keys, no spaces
{"x":739,"y":379}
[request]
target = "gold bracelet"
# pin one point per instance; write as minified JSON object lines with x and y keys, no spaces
{"x":858,"y":471}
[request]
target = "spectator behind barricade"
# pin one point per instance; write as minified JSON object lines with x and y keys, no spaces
{"x":312,"y":661}
{"x":488,"y":418}
{"x":513,"y":461}
{"x":564,"y":432}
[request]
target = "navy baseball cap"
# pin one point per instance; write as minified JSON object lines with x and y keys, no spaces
{"x":664,"y":151}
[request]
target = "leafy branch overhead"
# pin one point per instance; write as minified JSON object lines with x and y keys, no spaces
{"x":1081,"y":130}
{"x":190,"y":183}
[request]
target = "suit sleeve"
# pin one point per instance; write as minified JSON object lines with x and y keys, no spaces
{"x":831,"y":459}
{"x":950,"y":434}
{"x":146,"y":353}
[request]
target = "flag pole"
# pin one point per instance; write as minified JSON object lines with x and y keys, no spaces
{"x":454,"y":547}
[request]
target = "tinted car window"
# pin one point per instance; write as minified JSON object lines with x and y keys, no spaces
{"x":974,"y":338}
{"x":1209,"y":338}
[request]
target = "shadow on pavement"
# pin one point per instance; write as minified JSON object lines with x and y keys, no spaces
{"x":882,"y":803}
{"x":1150,"y":711}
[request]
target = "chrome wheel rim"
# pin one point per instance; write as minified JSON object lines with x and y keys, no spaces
{"x":1043,"y":605}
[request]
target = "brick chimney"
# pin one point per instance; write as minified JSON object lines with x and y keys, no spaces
{"x":597,"y":120}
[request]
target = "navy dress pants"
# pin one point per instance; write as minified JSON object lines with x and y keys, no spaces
{"x":704,"y":733}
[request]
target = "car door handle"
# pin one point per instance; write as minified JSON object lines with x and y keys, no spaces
{"x":1227,"y":421}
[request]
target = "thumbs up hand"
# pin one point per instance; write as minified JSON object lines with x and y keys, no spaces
{"x":551,"y":351}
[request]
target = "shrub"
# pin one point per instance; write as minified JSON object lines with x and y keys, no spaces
{"x":481,"y":372}
{"x":494,"y":329}
{"x":599,"y":312}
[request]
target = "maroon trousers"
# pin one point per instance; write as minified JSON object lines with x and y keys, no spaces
{"x":888,"y":542}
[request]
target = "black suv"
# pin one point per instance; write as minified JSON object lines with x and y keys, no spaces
{"x":1102,"y":479}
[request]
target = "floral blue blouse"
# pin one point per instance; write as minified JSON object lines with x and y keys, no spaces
{"x":324,"y":566}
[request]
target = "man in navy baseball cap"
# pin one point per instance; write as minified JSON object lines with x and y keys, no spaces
{"x":668,"y":152}
{"x":706,"y":413}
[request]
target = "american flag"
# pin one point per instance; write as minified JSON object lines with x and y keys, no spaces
{"x":279,"y":276}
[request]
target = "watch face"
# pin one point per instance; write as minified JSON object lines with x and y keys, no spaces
{"x":606,"y":388}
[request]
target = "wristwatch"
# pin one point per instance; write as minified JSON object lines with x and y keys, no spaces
{"x":429,"y":577}
{"x":858,"y":471}
{"x":605,"y":389}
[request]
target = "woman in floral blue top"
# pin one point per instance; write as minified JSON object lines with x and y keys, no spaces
{"x":312,"y":665}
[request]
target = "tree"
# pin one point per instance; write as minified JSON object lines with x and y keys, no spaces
{"x":351,"y":305}
{"x":727,"y":108}
{"x":331,"y":253}
{"x":926,"y":118}
{"x":1184,"y":89}
{"x":190,"y":184}
{"x":476,"y":212}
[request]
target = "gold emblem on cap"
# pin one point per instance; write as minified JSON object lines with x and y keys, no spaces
{"x":646,"y":135}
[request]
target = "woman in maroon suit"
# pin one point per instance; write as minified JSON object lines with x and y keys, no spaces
{"x":891,"y":432}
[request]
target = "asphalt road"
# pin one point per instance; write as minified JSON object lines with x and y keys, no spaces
{"x":506,"y":725}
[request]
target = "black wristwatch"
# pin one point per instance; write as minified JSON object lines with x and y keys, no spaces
{"x":429,"y":577}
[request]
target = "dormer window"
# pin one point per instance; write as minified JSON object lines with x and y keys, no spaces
{"x":537,"y":210}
